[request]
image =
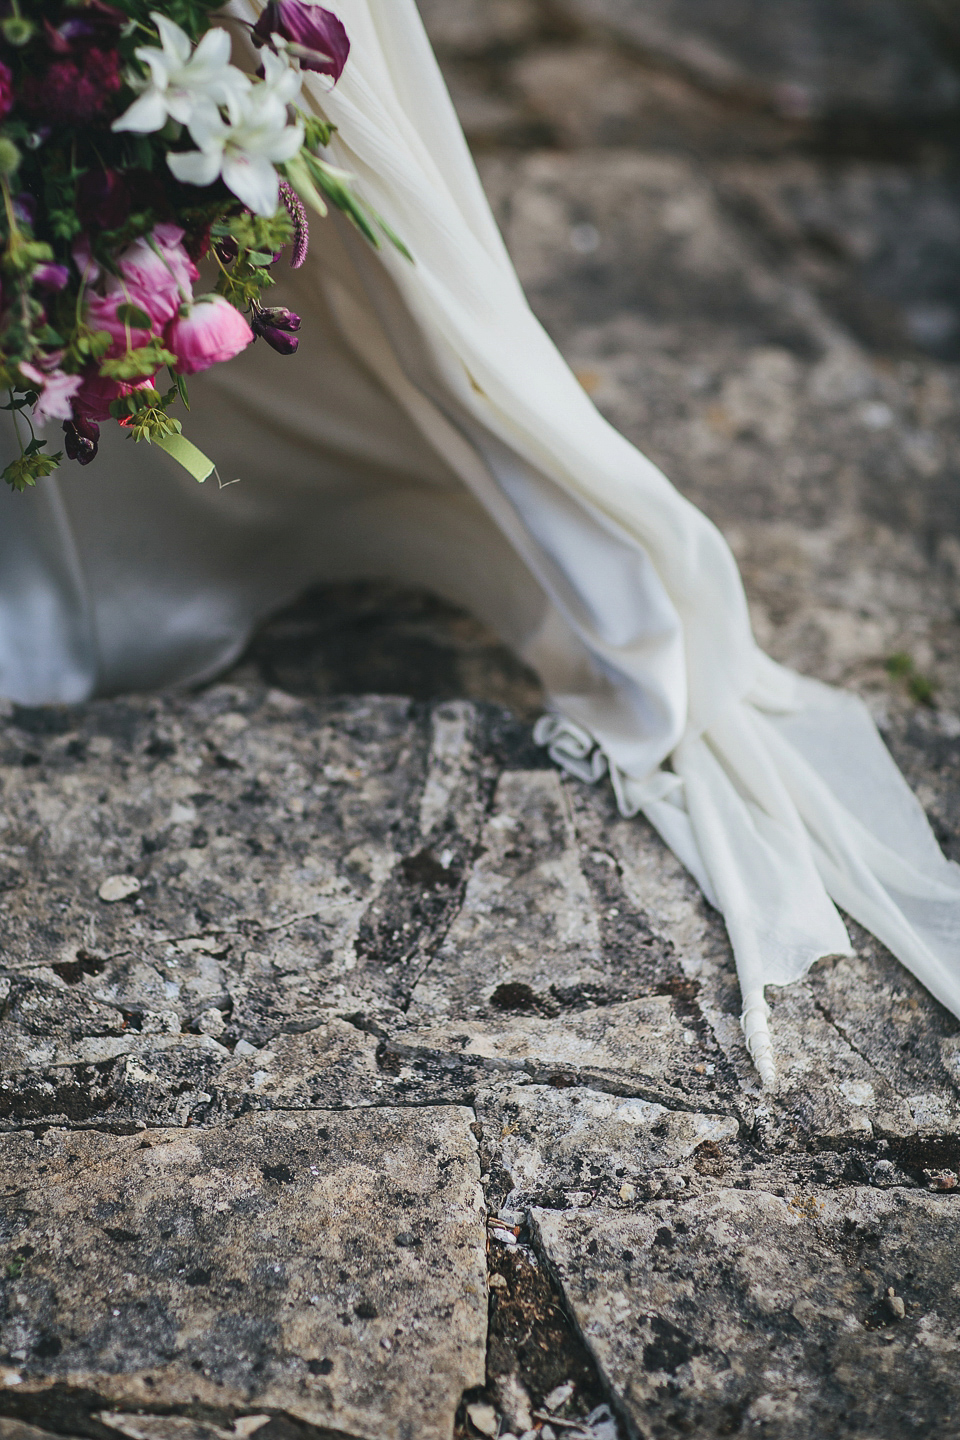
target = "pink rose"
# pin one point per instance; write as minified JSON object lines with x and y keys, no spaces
{"x":210,"y":332}
{"x":93,"y":399}
{"x":158,"y":276}
{"x":56,"y":393}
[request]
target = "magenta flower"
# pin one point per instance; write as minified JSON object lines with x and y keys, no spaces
{"x":314,"y":36}
{"x":74,"y":92}
{"x":96,"y":394}
{"x":6,"y":91}
{"x":56,"y":393}
{"x":210,"y":332}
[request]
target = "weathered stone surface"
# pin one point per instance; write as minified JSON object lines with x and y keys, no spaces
{"x":327,"y":1266}
{"x":806,"y":56}
{"x":577,"y":1140}
{"x":745,"y":1311}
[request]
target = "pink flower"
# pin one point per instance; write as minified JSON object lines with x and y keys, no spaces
{"x":92,"y":401}
{"x":210,"y":332}
{"x":158,"y":273}
{"x":56,"y":393}
{"x":102,"y":315}
{"x":84,"y":261}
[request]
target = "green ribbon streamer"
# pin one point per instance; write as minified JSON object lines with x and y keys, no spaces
{"x":185,"y":453}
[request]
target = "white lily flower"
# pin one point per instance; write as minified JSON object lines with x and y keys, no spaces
{"x":246,"y":152}
{"x":184,"y":82}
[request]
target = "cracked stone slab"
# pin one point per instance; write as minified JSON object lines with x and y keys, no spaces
{"x":745,"y":1311}
{"x":530,"y":934}
{"x":257,"y":827}
{"x":328,"y":1267}
{"x":642,"y":1046}
{"x":579,"y":1140}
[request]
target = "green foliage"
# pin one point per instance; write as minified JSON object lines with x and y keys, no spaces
{"x":138,"y":364}
{"x":258,"y":238}
{"x":900,"y":666}
{"x":31,"y":466}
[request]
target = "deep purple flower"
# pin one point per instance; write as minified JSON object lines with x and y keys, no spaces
{"x":105,"y":198}
{"x":276,"y":324}
{"x":25,"y":208}
{"x":98,"y":23}
{"x":227,"y":249}
{"x":315,"y":36}
{"x":81,"y":440}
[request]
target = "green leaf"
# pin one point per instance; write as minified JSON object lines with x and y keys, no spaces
{"x":299,"y":176}
{"x":134,"y":316}
{"x":392,"y":236}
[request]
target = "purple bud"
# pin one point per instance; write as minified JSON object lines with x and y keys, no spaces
{"x":25,"y":208}
{"x":316,"y":37}
{"x":280,"y":340}
{"x":51,"y":277}
{"x":275,"y":317}
{"x":81,"y":440}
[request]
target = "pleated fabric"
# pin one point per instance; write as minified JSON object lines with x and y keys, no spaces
{"x":429,"y":432}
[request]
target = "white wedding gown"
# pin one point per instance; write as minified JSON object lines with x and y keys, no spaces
{"x":429,"y":432}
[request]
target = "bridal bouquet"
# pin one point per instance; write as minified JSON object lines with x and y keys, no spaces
{"x":132,"y":150}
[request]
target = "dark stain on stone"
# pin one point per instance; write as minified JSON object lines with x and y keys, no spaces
{"x":516,"y":998}
{"x":424,"y":869}
{"x":670,"y":1349}
{"x":282,"y":1174}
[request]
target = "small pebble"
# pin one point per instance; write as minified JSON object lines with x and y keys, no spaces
{"x":211,"y":1022}
{"x":483,"y":1417}
{"x":497,"y":1282}
{"x":895,"y":1304}
{"x":942,"y":1180}
{"x":559,"y":1396}
{"x":118,"y":887}
{"x":628,"y":1192}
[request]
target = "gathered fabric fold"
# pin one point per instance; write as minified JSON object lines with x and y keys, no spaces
{"x":748,"y":807}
